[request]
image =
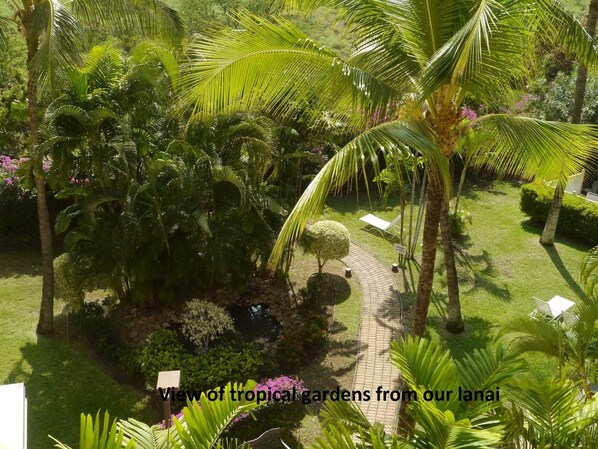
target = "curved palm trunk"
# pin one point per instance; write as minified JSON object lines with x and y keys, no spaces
{"x":45,"y":324}
{"x":454,"y":323}
{"x":549,"y":232}
{"x":552,"y":221}
{"x":426,"y":275}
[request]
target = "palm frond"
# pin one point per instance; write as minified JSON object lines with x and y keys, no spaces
{"x":393,"y":141}
{"x":589,"y":270}
{"x":149,"y":18}
{"x":346,"y":413}
{"x":555,"y":23}
{"x":273,"y":67}
{"x":60,"y":39}
{"x":484,"y":57}
{"x":149,"y":52}
{"x":424,"y":365}
{"x":531,"y":148}
{"x":95,"y":434}
{"x":103,"y":66}
{"x":205,"y":423}
{"x":441,"y":430}
{"x":147,"y":437}
{"x":534,"y":335}
{"x":555,"y":415}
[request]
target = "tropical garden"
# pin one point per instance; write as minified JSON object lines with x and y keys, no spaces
{"x":183,"y":186}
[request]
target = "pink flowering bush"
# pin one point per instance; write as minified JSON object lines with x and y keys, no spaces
{"x":8,"y":170}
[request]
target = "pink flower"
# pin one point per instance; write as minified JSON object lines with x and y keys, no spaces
{"x":9,"y":181}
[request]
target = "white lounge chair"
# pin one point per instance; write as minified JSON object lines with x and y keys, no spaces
{"x":553,"y":308}
{"x":380,"y":223}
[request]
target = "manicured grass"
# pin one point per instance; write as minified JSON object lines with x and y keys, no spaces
{"x":62,"y":378}
{"x":501,"y":265}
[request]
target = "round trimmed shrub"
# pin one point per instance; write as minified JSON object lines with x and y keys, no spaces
{"x":327,"y":240}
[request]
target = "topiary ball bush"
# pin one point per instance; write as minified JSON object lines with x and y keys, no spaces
{"x":327,"y":240}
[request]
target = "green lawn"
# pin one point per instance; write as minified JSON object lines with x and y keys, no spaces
{"x":502,"y":266}
{"x":62,"y":378}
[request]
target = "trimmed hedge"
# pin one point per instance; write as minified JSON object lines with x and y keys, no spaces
{"x":578,"y":217}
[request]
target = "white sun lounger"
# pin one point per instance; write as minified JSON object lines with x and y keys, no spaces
{"x":380,"y":223}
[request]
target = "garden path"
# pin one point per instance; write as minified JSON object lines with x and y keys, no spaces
{"x":380,"y":323}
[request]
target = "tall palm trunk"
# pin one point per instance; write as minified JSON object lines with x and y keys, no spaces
{"x":549,"y":232}
{"x":45,"y":324}
{"x":426,"y":274}
{"x":454,"y":323}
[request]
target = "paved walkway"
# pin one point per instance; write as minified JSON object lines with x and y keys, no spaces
{"x":380,"y":323}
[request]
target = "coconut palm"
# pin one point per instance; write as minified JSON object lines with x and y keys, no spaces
{"x":54,"y":36}
{"x":413,"y":66}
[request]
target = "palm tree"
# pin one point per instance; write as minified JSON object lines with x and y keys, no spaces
{"x":428,"y":54}
{"x":548,"y":234}
{"x":528,"y":414}
{"x":549,"y":413}
{"x":54,"y":36}
{"x":574,"y":347}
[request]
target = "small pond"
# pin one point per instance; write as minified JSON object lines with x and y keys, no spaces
{"x":256,"y":323}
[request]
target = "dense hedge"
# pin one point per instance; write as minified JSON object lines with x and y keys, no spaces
{"x":578,"y":217}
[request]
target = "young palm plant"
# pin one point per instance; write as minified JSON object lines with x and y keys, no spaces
{"x":201,"y":426}
{"x":54,"y":36}
{"x":414,"y":64}
{"x":445,"y":422}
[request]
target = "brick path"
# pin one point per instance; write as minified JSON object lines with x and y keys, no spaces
{"x":380,"y":323}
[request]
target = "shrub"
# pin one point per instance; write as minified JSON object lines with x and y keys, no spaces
{"x":90,"y":319}
{"x":67,"y":284}
{"x":230,"y":362}
{"x":578,"y":216}
{"x":234,"y":361}
{"x":287,"y":415}
{"x":163,"y":352}
{"x":327,"y":240}
{"x":457,"y":222}
{"x":203,"y":322}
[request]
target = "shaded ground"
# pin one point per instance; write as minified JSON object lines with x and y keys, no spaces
{"x":335,"y":365}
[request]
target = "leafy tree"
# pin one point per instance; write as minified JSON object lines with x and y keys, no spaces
{"x":203,"y":322}
{"x":54,"y":36}
{"x":413,"y":65}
